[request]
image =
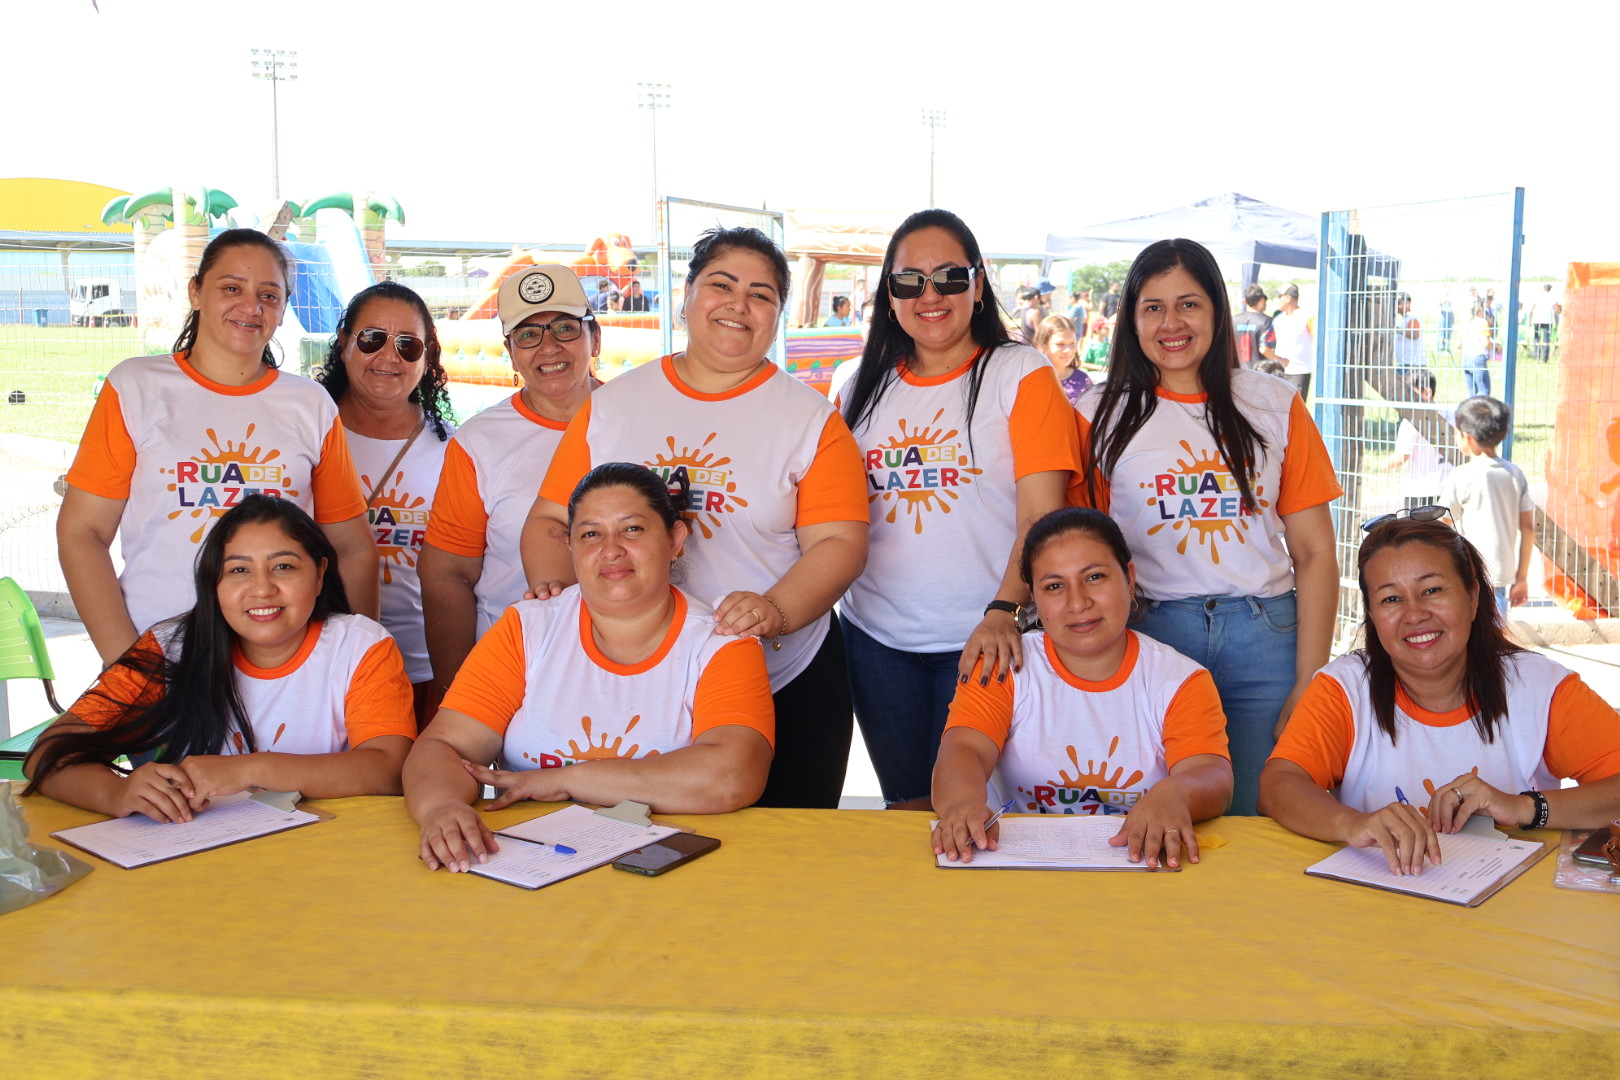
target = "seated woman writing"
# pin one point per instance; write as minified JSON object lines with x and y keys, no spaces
{"x":269,"y":682}
{"x":621,"y":678}
{"x":1145,"y":720}
{"x":1440,"y":707}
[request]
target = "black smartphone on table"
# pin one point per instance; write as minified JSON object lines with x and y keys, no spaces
{"x":667,"y":854}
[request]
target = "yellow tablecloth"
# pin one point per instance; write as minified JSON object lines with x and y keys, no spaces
{"x":813,"y":943}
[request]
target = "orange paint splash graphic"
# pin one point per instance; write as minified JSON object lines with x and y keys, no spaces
{"x":1208,"y":530}
{"x":231,"y":453}
{"x":931,"y":444}
{"x":396,"y":504}
{"x":714,"y":493}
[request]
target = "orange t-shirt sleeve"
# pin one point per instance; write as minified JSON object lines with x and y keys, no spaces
{"x":1583,"y":733}
{"x":459,"y":523}
{"x":337,"y":486}
{"x":571,"y":460}
{"x":1078,"y":494}
{"x":1307,"y":471}
{"x":1044,"y":435}
{"x":834,"y":487}
{"x":105,"y":461}
{"x":379,"y":701}
{"x":1319,"y":734}
{"x":735,"y":689}
{"x":985,"y":709}
{"x":1195,"y":723}
{"x":119,"y":689}
{"x":490,"y":685}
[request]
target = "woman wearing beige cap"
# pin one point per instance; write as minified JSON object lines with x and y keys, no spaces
{"x":470,"y":569}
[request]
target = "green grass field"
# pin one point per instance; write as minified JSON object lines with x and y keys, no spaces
{"x":55,"y":369}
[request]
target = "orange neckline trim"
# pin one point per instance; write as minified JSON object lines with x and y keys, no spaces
{"x":601,"y":660}
{"x":912,"y":378}
{"x":1133,"y":649}
{"x":1185,"y":399}
{"x":312,"y":635}
{"x":529,"y":414}
{"x":1403,"y":701}
{"x":767,"y":369}
{"x":261,"y":383}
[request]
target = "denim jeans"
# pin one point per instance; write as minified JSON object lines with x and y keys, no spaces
{"x":1248,"y":645}
{"x":1478,"y":375}
{"x":1501,"y":592}
{"x":901,"y":701}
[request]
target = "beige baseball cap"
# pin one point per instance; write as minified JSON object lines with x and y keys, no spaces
{"x":550,"y":287}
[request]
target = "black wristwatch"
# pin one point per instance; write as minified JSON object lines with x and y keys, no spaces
{"x":1002,"y":605}
{"x":1540,"y":821}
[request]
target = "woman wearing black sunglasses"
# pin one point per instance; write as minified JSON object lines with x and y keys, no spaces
{"x":967,"y":440}
{"x":384,"y":373}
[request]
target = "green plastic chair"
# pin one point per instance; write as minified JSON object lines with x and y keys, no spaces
{"x":22,"y":656}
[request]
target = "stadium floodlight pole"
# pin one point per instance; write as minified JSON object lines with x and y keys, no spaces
{"x":652,"y":97}
{"x":278,"y":66}
{"x":934,"y":119}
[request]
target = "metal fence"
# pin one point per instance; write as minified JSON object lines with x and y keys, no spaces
{"x":681,"y":221}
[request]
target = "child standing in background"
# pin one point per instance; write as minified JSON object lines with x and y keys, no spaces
{"x":1426,"y":468}
{"x":1490,"y":500}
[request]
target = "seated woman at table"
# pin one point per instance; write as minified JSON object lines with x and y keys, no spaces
{"x":622,"y":678}
{"x":1145,"y":720}
{"x":268,"y":682}
{"x":1439,"y":706}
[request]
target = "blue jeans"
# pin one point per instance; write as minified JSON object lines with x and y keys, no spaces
{"x":901,"y":701}
{"x":1501,"y":592}
{"x":1478,"y":375}
{"x":1248,"y":645}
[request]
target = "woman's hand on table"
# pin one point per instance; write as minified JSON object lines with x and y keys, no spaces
{"x":217,"y":774}
{"x":161,"y":792}
{"x":961,"y":830}
{"x":744,"y":612}
{"x":1160,"y":820}
{"x":1453,"y":803}
{"x":541,"y":785}
{"x":454,"y":836}
{"x":1403,"y":834}
{"x":997,"y":639}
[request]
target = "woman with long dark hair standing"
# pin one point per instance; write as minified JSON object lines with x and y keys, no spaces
{"x":1221,"y":483}
{"x":967,"y":440}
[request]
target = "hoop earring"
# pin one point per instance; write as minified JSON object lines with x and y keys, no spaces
{"x":891,"y":316}
{"x":978,"y":306}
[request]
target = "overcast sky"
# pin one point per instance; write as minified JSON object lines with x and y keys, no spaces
{"x":508,"y":120}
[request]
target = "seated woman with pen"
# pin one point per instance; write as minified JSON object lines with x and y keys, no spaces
{"x":268,"y":682}
{"x":1440,"y":716}
{"x":622,"y":678}
{"x":1099,"y":720}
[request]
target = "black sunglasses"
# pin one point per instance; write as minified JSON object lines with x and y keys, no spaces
{"x":1428,"y":512}
{"x":409,"y":346}
{"x":909,"y":284}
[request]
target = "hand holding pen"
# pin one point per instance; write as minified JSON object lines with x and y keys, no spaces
{"x":963,"y":830}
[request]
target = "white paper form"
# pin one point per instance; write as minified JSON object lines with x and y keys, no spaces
{"x":137,"y":840}
{"x":595,"y":840}
{"x":1471,"y":868}
{"x":1053,"y":842}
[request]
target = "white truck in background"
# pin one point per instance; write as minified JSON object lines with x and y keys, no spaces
{"x":99,"y":301}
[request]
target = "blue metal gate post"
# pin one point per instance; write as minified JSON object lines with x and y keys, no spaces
{"x":1512,"y":358}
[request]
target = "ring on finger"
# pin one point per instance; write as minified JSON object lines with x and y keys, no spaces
{"x":1459,"y":795}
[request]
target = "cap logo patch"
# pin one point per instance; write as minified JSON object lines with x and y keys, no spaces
{"x":536,"y":288}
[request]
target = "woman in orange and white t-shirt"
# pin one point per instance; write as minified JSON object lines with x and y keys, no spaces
{"x":176,"y":440}
{"x":1440,"y":717}
{"x":776,"y":498}
{"x":268,"y":682}
{"x":617,"y":688}
{"x":966,"y":439}
{"x":1146,"y":721}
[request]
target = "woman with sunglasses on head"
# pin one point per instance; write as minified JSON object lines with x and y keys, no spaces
{"x":1094,"y":691}
{"x":175,"y":440}
{"x":384,"y":373}
{"x":1439,"y":708}
{"x":470,"y":569}
{"x":268,"y":682}
{"x":777,"y":502}
{"x":1221,"y":483}
{"x":967,"y":439}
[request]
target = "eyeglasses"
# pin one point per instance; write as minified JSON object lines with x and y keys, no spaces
{"x":409,"y":346}
{"x":530,"y":337}
{"x":948,"y":281}
{"x":1428,"y":512}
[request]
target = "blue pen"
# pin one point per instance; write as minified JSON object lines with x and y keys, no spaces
{"x":995,"y":817}
{"x":561,"y":849}
{"x":1400,"y":796}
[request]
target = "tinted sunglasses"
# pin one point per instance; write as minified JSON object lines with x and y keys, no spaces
{"x":529,"y":337}
{"x":909,"y":284}
{"x":409,"y":346}
{"x":1429,"y":512}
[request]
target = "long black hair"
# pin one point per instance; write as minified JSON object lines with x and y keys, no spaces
{"x":1129,"y":393}
{"x":430,"y":392}
{"x":1485,"y":676}
{"x":887,"y":344}
{"x":198,"y":706}
{"x":219,"y":245}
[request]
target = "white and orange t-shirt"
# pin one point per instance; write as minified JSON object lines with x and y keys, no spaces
{"x":584,"y":706}
{"x":344,"y":686}
{"x":763,"y":460}
{"x":1071,"y":746}
{"x":944,"y":508}
{"x":1557,"y":726}
{"x":398,"y":516}
{"x":485,"y":493}
{"x":1179,"y":505}
{"x":180,"y":450}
